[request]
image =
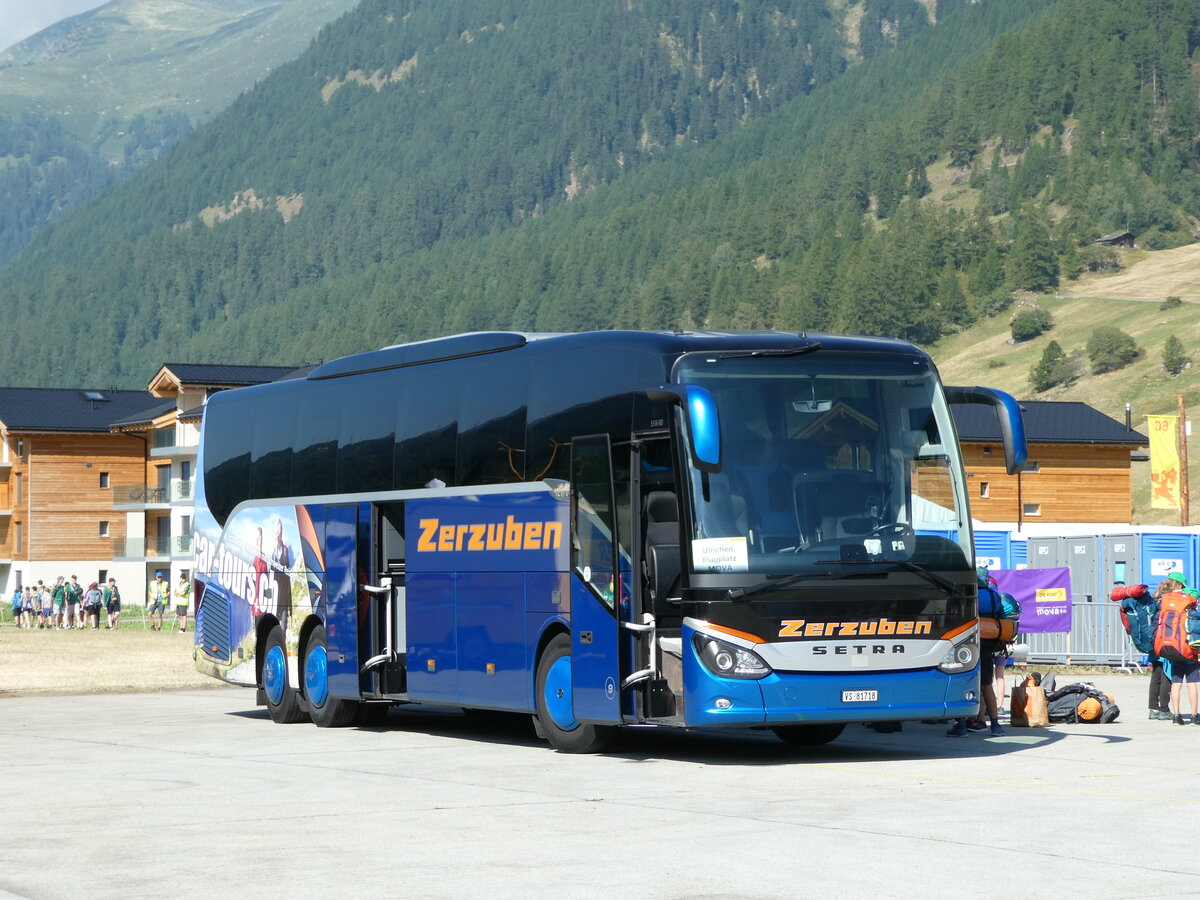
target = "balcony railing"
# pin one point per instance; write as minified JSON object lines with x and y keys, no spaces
{"x":147,"y":548}
{"x":164,"y":437}
{"x":136,"y":494}
{"x":177,"y":492}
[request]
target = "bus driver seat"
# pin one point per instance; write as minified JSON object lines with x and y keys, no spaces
{"x":662,"y":561}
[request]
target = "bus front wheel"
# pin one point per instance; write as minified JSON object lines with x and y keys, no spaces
{"x":326,"y":711}
{"x":282,"y":702}
{"x":809,"y":735}
{"x":555,"y":717}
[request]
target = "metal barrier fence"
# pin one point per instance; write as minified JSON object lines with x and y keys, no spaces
{"x":1096,"y":636}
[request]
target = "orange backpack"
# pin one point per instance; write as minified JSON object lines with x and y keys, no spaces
{"x":1171,"y":632}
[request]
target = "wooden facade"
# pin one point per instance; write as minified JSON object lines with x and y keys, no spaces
{"x":1061,"y":483}
{"x":59,"y":492}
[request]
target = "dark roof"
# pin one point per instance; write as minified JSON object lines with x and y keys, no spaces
{"x":68,"y":409}
{"x":1115,"y":236}
{"x":146,"y":416}
{"x":1048,"y":422}
{"x":229,"y":376}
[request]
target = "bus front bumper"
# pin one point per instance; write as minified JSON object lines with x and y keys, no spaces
{"x":785,"y":698}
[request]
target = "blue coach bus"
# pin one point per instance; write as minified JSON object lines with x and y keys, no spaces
{"x":699,"y":530}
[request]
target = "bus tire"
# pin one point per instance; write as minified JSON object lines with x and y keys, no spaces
{"x":282,"y":702}
{"x":555,"y":720}
{"x":809,"y":735}
{"x":326,"y":711}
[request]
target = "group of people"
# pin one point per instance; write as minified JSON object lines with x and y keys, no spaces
{"x":1162,"y":626}
{"x":159,"y":597}
{"x":66,"y":605}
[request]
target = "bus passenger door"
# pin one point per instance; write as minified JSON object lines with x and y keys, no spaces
{"x":595,"y":587}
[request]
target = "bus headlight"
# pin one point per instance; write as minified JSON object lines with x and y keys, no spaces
{"x":729,"y":661}
{"x":961,"y":657}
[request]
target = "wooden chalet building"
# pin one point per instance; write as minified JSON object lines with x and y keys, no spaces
{"x":98,"y":483}
{"x":1078,"y":470}
{"x":156,"y":504}
{"x":59,"y":463}
{"x":1116,"y":239}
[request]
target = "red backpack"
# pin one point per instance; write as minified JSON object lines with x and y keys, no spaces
{"x":1171,"y":632}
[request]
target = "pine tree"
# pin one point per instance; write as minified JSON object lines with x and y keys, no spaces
{"x":1054,"y":368}
{"x":1032,"y":262}
{"x":1174,"y":359}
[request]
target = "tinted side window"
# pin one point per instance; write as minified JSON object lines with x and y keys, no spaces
{"x":426,"y":426}
{"x":228,"y":427}
{"x":314,"y":463}
{"x":576,"y":392}
{"x":271,"y":445}
{"x":491,"y":421}
{"x":367,"y":442}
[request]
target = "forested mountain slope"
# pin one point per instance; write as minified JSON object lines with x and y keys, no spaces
{"x":413,"y":130}
{"x":430,"y":168}
{"x":87,"y":101}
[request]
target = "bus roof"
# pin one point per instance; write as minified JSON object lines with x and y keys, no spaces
{"x":481,"y":343}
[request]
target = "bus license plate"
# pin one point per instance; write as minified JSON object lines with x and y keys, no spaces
{"x":860,"y":696}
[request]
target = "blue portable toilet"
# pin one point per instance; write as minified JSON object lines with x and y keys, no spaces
{"x":992,"y":549}
{"x":1168,"y":551}
{"x":1018,"y":553}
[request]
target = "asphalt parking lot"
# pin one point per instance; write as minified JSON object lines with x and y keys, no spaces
{"x":158,"y":795}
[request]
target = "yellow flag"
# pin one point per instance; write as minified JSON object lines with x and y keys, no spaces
{"x":1164,"y":462}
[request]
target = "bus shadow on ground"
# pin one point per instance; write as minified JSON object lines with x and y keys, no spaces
{"x":758,"y":747}
{"x":742,"y":747}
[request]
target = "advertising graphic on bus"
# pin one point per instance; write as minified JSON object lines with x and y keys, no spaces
{"x":697,"y":529}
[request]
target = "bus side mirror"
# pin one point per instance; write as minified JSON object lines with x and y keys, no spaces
{"x":699,"y":418}
{"x":1008,"y":412}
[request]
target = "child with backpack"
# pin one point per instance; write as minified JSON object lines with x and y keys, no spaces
{"x":1171,"y":642}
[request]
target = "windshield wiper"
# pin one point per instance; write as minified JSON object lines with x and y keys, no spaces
{"x":773,"y":583}
{"x":808,"y":347}
{"x":928,"y":574}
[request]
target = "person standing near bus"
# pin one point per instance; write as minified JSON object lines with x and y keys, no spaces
{"x":92,"y":602}
{"x":58,"y":596}
{"x":74,"y":599}
{"x":158,"y":595}
{"x":183,"y":597}
{"x":46,"y":603}
{"x":112,"y":603}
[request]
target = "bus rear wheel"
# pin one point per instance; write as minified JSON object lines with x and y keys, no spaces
{"x":809,"y":735}
{"x":326,"y":711}
{"x":555,"y":718}
{"x":282,"y":702}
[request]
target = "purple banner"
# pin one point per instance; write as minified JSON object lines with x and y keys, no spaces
{"x":1044,"y":595}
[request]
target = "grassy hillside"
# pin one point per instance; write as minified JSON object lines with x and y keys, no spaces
{"x":985,"y":353}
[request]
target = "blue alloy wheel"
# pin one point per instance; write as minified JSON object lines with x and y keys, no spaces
{"x":274,"y":674}
{"x":316,"y":676}
{"x":557,"y":694}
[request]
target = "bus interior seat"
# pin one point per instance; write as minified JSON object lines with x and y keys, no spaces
{"x":663,"y":563}
{"x":858,"y":504}
{"x":806,"y":463}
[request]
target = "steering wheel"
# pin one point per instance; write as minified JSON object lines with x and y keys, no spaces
{"x":895,"y":537}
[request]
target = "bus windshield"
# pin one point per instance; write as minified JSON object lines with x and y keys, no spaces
{"x":827,"y":460}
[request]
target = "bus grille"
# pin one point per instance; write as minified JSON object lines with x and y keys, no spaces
{"x":212,"y":625}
